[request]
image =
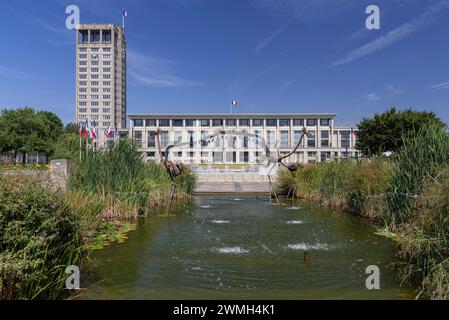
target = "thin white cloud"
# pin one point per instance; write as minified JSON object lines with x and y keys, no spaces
{"x":393,"y":89}
{"x":15,"y":73}
{"x":152,"y":71}
{"x":262,"y":44}
{"x":307,"y":10}
{"x":440,"y":86}
{"x":395,"y":35}
{"x":372,"y":97}
{"x":61,"y":35}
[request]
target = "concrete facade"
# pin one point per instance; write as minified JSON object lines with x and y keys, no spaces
{"x":101,"y":77}
{"x":281,"y":132}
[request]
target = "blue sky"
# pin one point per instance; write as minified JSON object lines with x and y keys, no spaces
{"x":195,"y":56}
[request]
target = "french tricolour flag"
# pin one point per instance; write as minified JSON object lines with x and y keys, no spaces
{"x":125,"y":12}
{"x":234,"y":103}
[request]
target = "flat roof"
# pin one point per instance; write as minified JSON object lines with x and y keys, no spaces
{"x":235,"y":115}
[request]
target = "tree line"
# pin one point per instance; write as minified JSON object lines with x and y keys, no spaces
{"x":26,"y":131}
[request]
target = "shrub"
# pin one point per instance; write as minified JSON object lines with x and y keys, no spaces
{"x":41,"y":233}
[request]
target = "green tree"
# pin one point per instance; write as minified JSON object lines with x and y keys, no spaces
{"x":384,"y":132}
{"x":72,"y":128}
{"x":25,"y":130}
{"x":67,"y":145}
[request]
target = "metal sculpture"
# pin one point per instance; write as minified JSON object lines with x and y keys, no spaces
{"x":173,"y":169}
{"x":272,"y":161}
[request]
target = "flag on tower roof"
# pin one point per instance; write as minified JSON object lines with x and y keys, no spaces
{"x":125,"y":12}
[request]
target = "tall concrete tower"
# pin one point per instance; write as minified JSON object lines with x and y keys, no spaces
{"x":101,"y":77}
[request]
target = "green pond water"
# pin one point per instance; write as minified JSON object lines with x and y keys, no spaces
{"x":236,"y":247}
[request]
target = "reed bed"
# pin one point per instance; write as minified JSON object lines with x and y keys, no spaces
{"x":128,"y":186}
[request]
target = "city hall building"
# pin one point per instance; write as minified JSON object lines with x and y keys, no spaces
{"x":280,"y":132}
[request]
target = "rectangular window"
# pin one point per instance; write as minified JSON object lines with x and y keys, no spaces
{"x":94,"y":76}
{"x":257,"y":122}
{"x":177,"y":122}
{"x":217,"y":122}
{"x":325,"y":138}
{"x":106,"y":110}
{"x":205,"y":123}
{"x":107,"y":103}
{"x":106,"y":76}
{"x":271,"y":123}
{"x":345,"y":143}
{"x":94,"y":63}
{"x":106,"y":56}
{"x":94,"y":35}
{"x":82,"y":50}
{"x":271,"y":138}
{"x":106,"y":36}
{"x":311,"y":156}
{"x":311,"y":139}
{"x":106,"y":49}
{"x":94,"y":104}
{"x":83,"y":90}
{"x":94,"y":69}
{"x":94,"y":90}
{"x":325,"y":122}
{"x":191,"y":139}
{"x":83,"y":103}
{"x":244,"y":157}
{"x":244,"y":122}
{"x":190,"y":123}
{"x":82,"y":70}
{"x":311,"y":122}
{"x":94,"y":49}
{"x":150,"y":122}
{"x":83,"y":37}
{"x":298,"y":122}
{"x":83,"y":76}
{"x":82,"y":110}
{"x":106,"y":117}
{"x":164,"y":122}
{"x":231,"y":122}
{"x":151,"y":139}
{"x":106,"y":96}
{"x":178,"y":136}
{"x":83,"y":63}
{"x":106,"y":69}
{"x":94,"y":83}
{"x":138,"y":123}
{"x":95,"y":97}
{"x":137,"y":136}
{"x":284,"y":122}
{"x":284,"y":139}
{"x":345,"y":134}
{"x":82,"y":97}
{"x":256,"y":140}
{"x":164,"y":139}
{"x":106,"y":83}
